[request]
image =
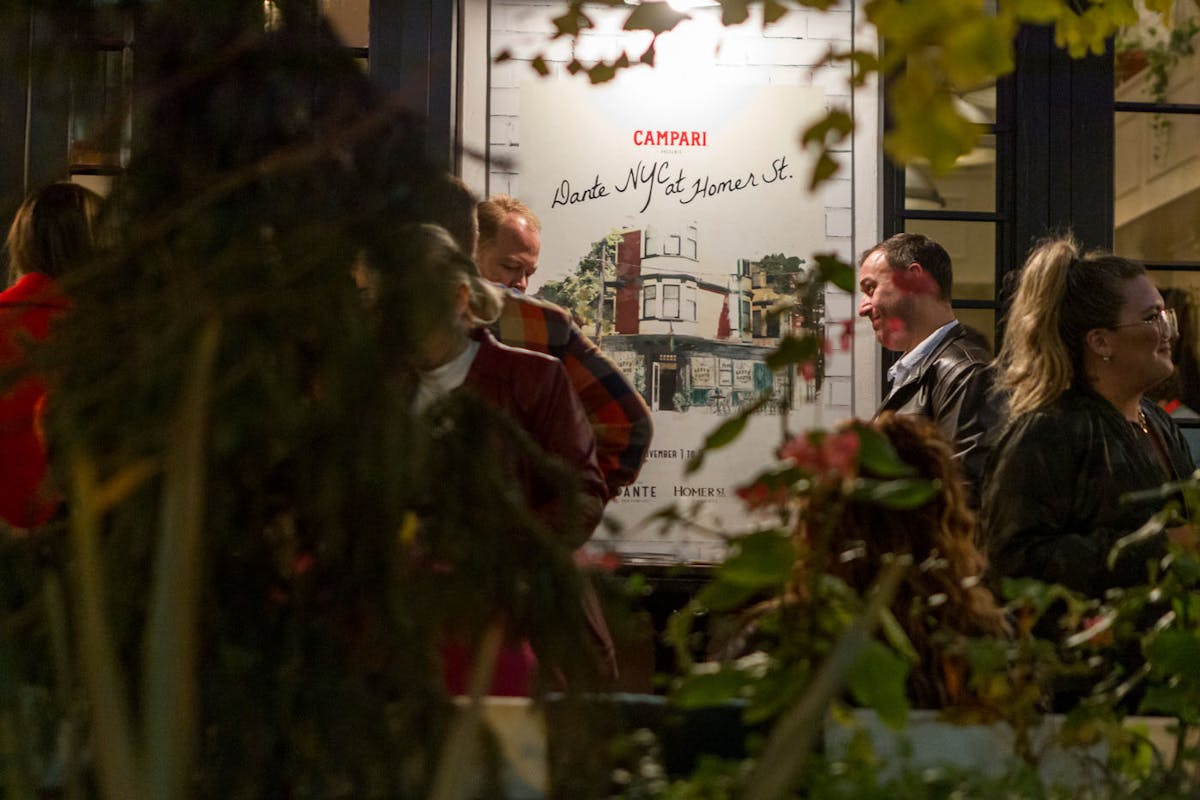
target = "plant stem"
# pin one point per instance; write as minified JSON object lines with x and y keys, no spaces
{"x":796,"y":733}
{"x":169,"y":672}
{"x":458,"y":767}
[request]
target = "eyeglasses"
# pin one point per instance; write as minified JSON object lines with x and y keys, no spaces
{"x":1165,"y":321}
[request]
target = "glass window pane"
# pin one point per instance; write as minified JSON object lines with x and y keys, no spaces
{"x":100,"y":126}
{"x":350,"y":20}
{"x":1157,"y":186}
{"x":972,"y":249}
{"x":649,"y":295}
{"x":970,"y":186}
{"x":1156,"y":181}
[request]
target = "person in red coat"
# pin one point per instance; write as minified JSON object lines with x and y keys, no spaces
{"x":52,"y":233}
{"x":533,"y":390}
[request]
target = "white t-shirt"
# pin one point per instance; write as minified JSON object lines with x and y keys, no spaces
{"x":440,"y":381}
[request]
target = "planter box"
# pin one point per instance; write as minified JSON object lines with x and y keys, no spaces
{"x":925,"y":742}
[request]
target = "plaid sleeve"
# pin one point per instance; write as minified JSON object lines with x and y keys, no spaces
{"x":616,"y":411}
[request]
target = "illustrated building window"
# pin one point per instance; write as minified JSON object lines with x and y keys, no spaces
{"x":745,"y":319}
{"x":648,"y":238}
{"x":672,"y":247}
{"x":671,"y":301}
{"x":689,"y":303}
{"x":650,"y":301}
{"x":724,"y":372}
{"x":691,"y":250}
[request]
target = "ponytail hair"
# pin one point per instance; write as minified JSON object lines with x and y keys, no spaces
{"x":1060,"y":297}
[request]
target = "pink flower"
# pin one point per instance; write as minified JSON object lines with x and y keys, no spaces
{"x":759,"y":495}
{"x":847,"y":334}
{"x":839,"y":451}
{"x":802,"y":452}
{"x":607,"y":561}
{"x":808,"y":371}
{"x":830,"y":456}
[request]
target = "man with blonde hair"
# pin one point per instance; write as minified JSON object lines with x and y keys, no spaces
{"x":509,"y":242}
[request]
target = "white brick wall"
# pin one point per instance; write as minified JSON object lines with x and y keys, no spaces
{"x":744,"y":55}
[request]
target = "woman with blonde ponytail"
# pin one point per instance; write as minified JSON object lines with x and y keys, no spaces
{"x":1087,"y":336}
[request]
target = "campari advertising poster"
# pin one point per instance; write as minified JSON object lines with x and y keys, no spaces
{"x":663,"y":207}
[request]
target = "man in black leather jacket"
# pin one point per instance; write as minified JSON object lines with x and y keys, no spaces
{"x":945,"y":371}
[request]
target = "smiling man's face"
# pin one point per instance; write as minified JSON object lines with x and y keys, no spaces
{"x":884,"y":303}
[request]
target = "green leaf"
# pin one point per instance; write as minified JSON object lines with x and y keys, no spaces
{"x":1175,"y":652}
{"x":1040,"y":12}
{"x":793,"y":350}
{"x":1036,"y":594}
{"x":601,"y":73}
{"x":505,"y":55}
{"x":540,"y":66}
{"x":773,"y":12}
{"x":760,"y":560}
{"x":833,"y":270}
{"x":703,"y":689}
{"x":648,"y":55}
{"x":877,"y":680}
{"x":894,"y":632}
{"x":823,"y":170}
{"x":902,"y":494}
{"x":927,"y":123}
{"x":877,"y":456}
{"x":1175,"y":701}
{"x":572,"y":23}
{"x":721,"y":595}
{"x":978,"y":51}
{"x":1186,"y":567}
{"x":837,"y":124}
{"x":734,"y":12}
{"x":655,"y":16}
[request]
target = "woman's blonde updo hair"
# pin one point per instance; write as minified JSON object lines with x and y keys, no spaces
{"x":53,"y":231}
{"x":1061,"y":296}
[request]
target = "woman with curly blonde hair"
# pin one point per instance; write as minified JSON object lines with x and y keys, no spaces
{"x":941,"y":602}
{"x":942,"y":598}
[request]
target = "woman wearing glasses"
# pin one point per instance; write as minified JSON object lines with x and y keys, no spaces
{"x":1087,"y":336}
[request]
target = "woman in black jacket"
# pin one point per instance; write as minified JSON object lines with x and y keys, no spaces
{"x":1088,"y":335}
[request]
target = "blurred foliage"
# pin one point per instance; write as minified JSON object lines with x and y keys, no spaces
{"x":929,"y":53}
{"x":263,"y":544}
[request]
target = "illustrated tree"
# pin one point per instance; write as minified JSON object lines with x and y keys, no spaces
{"x":579,"y":291}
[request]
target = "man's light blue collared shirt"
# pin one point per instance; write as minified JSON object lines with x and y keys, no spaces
{"x":901,"y":369}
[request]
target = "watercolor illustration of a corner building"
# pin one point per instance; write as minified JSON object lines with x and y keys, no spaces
{"x":688,"y":333}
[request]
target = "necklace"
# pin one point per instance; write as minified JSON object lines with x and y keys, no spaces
{"x":1141,"y":422}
